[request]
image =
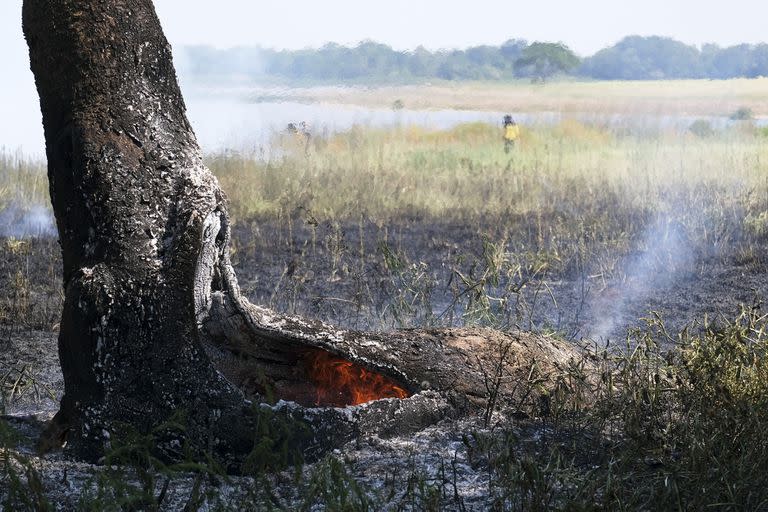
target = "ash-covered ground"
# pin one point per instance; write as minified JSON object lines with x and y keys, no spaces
{"x":436,"y":466}
{"x":375,"y":276}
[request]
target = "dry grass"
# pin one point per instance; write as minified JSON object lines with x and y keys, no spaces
{"x":464,"y":170}
{"x":23,"y":181}
{"x":663,"y":97}
{"x":566,"y":187}
{"x":573,"y":191}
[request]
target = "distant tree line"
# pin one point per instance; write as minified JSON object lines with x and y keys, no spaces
{"x":366,"y":61}
{"x":646,"y":58}
{"x":633,"y":58}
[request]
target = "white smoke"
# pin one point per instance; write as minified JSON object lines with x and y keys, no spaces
{"x":19,"y":221}
{"x":665,"y":253}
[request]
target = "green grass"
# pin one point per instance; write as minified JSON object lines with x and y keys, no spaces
{"x":653,"y":430}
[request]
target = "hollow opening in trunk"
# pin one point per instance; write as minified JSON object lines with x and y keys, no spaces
{"x":338,"y":382}
{"x":310,"y":376}
{"x":323,"y":379}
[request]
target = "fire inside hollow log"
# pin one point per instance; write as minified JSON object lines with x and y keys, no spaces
{"x":339,"y":382}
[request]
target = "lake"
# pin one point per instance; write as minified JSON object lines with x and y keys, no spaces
{"x":228,"y":120}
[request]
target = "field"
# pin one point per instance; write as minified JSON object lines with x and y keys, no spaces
{"x":649,"y":247}
{"x":664,"y":97}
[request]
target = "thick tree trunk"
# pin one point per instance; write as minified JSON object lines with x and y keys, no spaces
{"x":134,"y":207}
{"x":153,"y":319}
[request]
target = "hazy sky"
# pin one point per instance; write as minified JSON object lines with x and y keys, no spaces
{"x":585,"y":25}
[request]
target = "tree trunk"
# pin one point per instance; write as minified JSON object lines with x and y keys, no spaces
{"x":153,"y":318}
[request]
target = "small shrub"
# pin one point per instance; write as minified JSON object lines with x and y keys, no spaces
{"x":135,"y":478}
{"x":278,"y":442}
{"x":756,"y":224}
{"x":701,"y":128}
{"x":742,"y":114}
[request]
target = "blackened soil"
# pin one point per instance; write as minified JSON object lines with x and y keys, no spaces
{"x":430,"y":272}
{"x":376,"y":275}
{"x":415,"y":272}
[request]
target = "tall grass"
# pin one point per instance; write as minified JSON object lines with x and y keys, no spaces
{"x":570,"y":198}
{"x":562,"y":189}
{"x":383,"y":173}
{"x":23,"y":181}
{"x":463,"y":171}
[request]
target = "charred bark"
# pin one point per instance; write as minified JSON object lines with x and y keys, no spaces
{"x":153,"y":319}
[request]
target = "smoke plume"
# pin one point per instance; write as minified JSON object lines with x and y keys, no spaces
{"x":19,"y":221}
{"x":665,"y":253}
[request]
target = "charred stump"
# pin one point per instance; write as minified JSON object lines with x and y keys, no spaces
{"x":154,"y":323}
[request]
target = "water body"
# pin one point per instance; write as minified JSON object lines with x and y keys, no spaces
{"x":224,"y":124}
{"x":225,"y":120}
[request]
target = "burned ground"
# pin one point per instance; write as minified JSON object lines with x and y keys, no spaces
{"x":426,"y":272}
{"x":377,"y":275}
{"x":368,"y":274}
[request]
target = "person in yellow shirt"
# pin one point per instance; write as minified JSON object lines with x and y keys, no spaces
{"x":511,"y":133}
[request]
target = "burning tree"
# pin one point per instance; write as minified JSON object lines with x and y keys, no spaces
{"x":154,"y":323}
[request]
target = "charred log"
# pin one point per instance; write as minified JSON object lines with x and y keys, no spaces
{"x":154,"y":322}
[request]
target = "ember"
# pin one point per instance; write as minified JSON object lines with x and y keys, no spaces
{"x":340,"y":382}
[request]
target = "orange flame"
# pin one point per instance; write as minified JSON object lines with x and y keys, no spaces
{"x":340,"y":382}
